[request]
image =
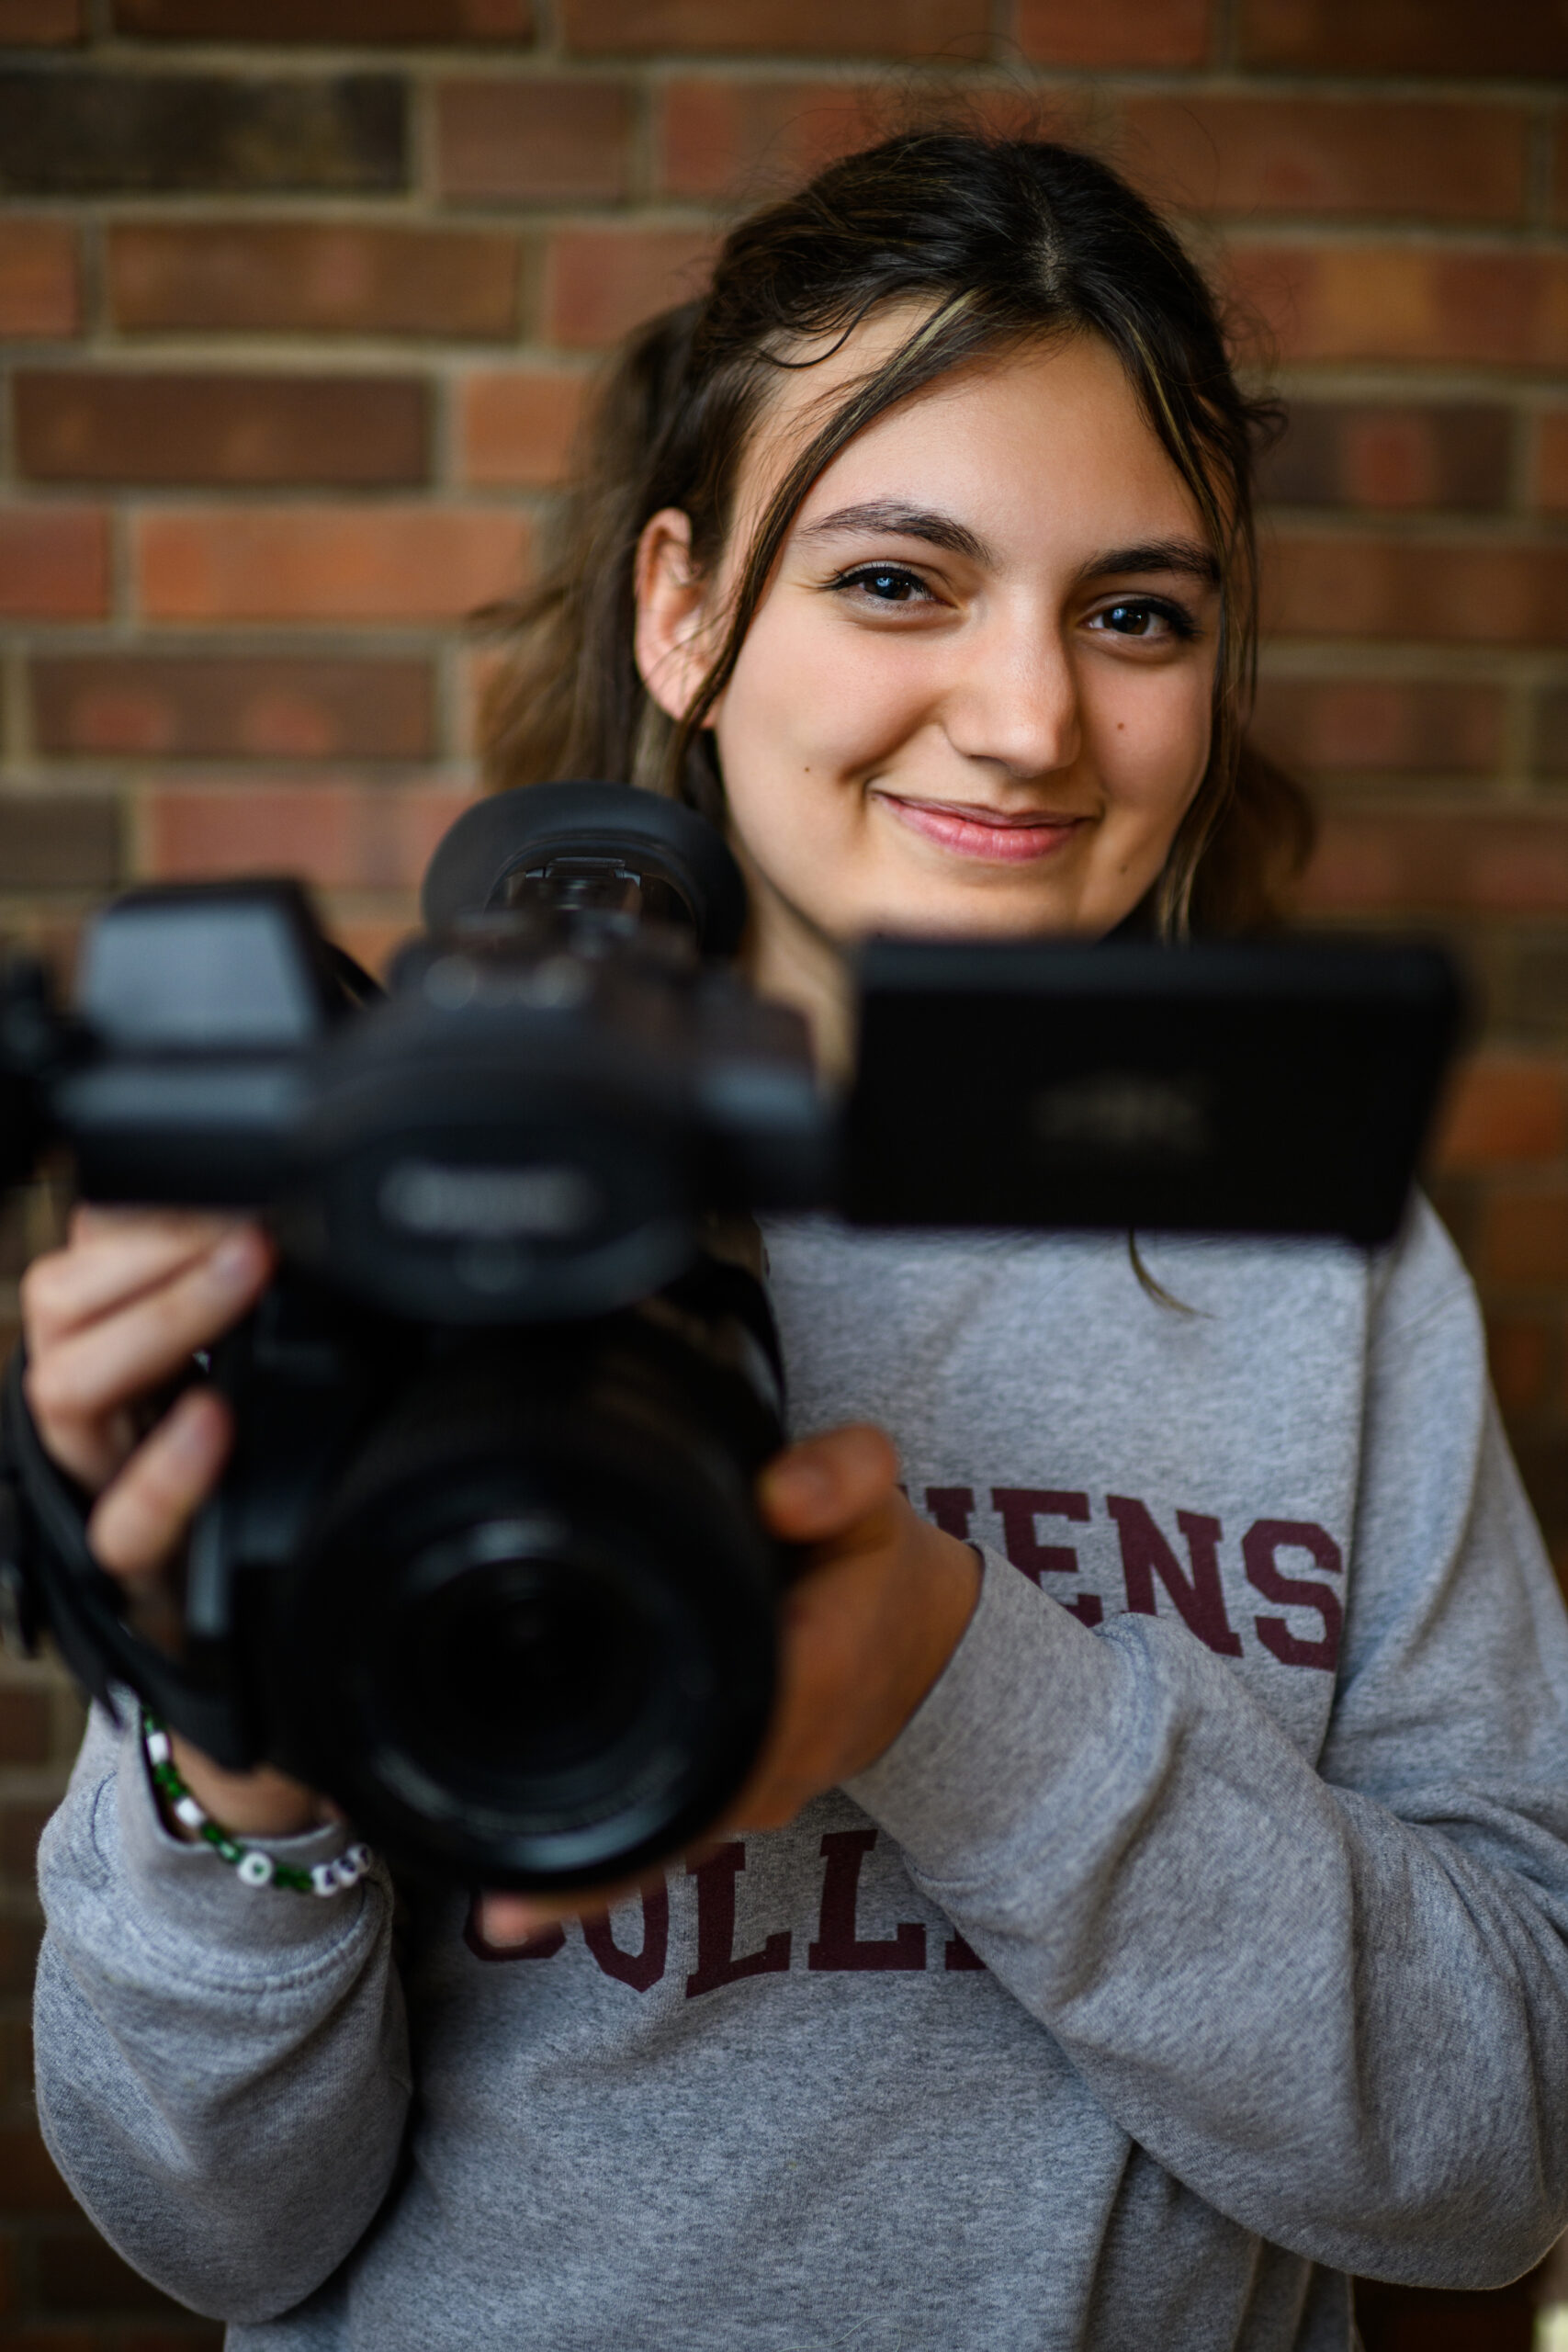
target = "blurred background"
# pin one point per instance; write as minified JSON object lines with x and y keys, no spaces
{"x":299,"y":300}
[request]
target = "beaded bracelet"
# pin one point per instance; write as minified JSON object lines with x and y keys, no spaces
{"x":249,"y":1864}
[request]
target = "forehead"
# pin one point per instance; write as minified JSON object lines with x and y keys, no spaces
{"x":1049,"y":439}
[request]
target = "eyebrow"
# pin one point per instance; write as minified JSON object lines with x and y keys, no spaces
{"x":1190,"y":555}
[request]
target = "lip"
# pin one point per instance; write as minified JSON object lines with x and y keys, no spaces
{"x":969,"y":831}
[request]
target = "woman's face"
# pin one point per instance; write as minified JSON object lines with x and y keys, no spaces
{"x":976,"y":698}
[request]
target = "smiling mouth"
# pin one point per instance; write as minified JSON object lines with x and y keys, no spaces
{"x":988,"y":834}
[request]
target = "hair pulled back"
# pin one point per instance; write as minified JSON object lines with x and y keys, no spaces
{"x":992,"y":244}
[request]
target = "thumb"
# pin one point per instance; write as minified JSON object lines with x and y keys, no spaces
{"x":814,"y":1489}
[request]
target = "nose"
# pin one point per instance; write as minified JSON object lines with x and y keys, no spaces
{"x":1012,"y":701}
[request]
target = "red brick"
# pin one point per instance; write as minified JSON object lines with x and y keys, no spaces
{"x":1382,"y":454}
{"x":29,"y":2182}
{"x":1129,"y":32}
{"x":313,"y":277}
{"x":1497,"y":307}
{"x":790,"y":28}
{"x":1523,"y":1236}
{"x":21,"y":1827}
{"x":713,"y":134}
{"x":1442,"y":861}
{"x":600,"y":282}
{"x":1350,"y":156}
{"x":338,"y":835}
{"x":1381,"y":724}
{"x":516,"y":428}
{"x":18,"y":1965}
{"x":1449,"y":591}
{"x":40,"y":24}
{"x":345,"y":563}
{"x":1558,"y":198}
{"x":1521,"y":1351}
{"x":1502,"y":1108}
{"x":327,"y":20}
{"x":24,"y":1726}
{"x":241,"y":706}
{"x":54,"y":563}
{"x":41,"y":292}
{"x":72,"y":424}
{"x":1526,"y":37}
{"x":533,"y":141}
{"x":1552,"y":463}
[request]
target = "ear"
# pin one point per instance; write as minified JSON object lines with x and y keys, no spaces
{"x":672,"y":613}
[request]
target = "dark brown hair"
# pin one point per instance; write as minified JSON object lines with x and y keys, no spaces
{"x":996,"y":244}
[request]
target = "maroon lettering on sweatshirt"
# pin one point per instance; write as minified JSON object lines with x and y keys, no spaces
{"x":1020,"y":1509}
{"x":950,"y":1507}
{"x":960,"y":1955}
{"x":1258,"y":1546}
{"x":637,"y":1969}
{"x":717,"y":1961}
{"x":837,"y":1944}
{"x":543,"y":1944}
{"x":1199,"y":1597}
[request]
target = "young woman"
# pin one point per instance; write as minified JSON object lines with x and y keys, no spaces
{"x":1136,"y":1923}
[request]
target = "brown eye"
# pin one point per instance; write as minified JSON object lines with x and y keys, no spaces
{"x":1132,"y":620}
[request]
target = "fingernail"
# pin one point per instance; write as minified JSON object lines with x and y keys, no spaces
{"x":799,"y":1484}
{"x":234,"y":1262}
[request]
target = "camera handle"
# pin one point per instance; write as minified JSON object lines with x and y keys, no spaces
{"x":48,"y":1576}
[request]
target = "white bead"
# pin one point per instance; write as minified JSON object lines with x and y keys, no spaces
{"x":187,"y":1811}
{"x":256,"y":1870}
{"x":158,"y":1747}
{"x":361,"y":1857}
{"x":324,"y":1878}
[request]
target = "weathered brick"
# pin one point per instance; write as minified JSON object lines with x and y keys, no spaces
{"x":309,"y":707}
{"x":1390,"y":455}
{"x":1524,"y":1234}
{"x":713,"y":134}
{"x":24,"y":1726}
{"x":1399,"y":303}
{"x":1522,"y":1351}
{"x":343,"y":563}
{"x":1334,"y":156}
{"x":59,"y":841}
{"x":89,"y":133}
{"x":21,"y":1826}
{"x":1558,"y":199}
{"x":40,"y":24}
{"x":29,"y":2182}
{"x":338,"y":835}
{"x":1439,"y":861}
{"x":39,"y":279}
{"x":790,"y":28}
{"x":78,"y":2273}
{"x":407,"y":21}
{"x":315,"y":277}
{"x":18,"y":1964}
{"x":1374,"y":725}
{"x":1448,"y":592}
{"x":1552,"y":463}
{"x":535,"y":141}
{"x":54,"y":563}
{"x":1528,"y":37}
{"x":76,"y":425}
{"x":516,"y":427}
{"x":1504,"y":1108}
{"x":600,"y":282}
{"x":1551,"y":733}
{"x":1133,"y":33}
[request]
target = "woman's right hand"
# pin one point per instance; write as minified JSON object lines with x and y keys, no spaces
{"x":109,"y":1321}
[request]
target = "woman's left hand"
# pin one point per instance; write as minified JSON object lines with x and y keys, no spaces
{"x":864,"y":1632}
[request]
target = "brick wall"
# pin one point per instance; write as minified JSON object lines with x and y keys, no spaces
{"x":298,"y":299}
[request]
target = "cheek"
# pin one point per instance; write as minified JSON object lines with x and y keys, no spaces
{"x":1153,"y":747}
{"x":808,"y":697}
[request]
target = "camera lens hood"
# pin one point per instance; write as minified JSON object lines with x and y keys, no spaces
{"x":510,"y":830}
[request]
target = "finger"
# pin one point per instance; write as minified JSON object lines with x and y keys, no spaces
{"x":101,"y":1366}
{"x":814,"y":1489}
{"x":513,"y":1918}
{"x":140,"y":1519}
{"x":114,"y":1257}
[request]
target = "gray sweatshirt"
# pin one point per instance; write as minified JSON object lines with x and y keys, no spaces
{"x":1201,"y":1938}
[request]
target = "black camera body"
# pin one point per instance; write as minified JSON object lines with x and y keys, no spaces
{"x":485,"y":1565}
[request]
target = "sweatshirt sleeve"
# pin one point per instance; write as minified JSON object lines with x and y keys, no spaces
{"x":222,"y":2071}
{"x":1333,"y":2001}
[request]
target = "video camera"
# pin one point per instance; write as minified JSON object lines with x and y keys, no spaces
{"x":485,"y":1565}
